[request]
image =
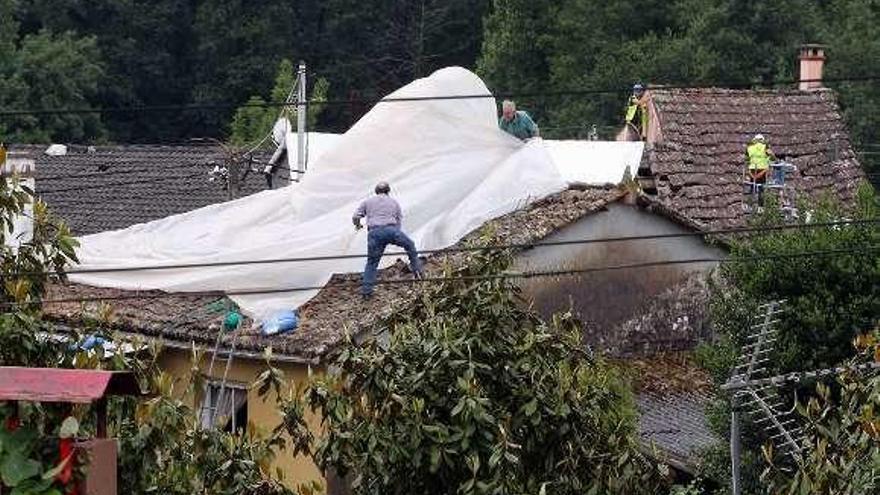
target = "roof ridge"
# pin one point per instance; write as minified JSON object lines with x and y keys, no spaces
{"x":744,"y":91}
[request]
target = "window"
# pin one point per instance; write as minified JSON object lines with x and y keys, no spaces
{"x":229,"y":409}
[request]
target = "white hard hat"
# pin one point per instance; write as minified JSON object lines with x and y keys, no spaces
{"x":759,"y":137}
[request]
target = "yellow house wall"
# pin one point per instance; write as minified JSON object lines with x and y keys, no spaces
{"x":265,"y":415}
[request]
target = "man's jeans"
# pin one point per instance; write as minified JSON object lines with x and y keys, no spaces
{"x":377,"y":239}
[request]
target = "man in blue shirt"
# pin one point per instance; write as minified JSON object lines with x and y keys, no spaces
{"x":517,"y":124}
{"x":383,"y":228}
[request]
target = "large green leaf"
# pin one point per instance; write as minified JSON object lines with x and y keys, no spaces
{"x":16,"y":468}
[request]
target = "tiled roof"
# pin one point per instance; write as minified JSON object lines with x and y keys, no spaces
{"x":675,"y":423}
{"x":336,"y":310}
{"x":698,"y":158}
{"x":671,"y":407}
{"x":100,"y":188}
{"x":672,"y":394}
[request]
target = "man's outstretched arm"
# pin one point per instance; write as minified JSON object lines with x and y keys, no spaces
{"x":359,"y":213}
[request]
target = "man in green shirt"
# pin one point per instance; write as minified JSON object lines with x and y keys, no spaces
{"x":516,"y":123}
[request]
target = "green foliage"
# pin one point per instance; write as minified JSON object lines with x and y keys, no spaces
{"x":254,"y":121}
{"x":842,"y":454}
{"x":316,"y":106}
{"x":164,"y":449}
{"x":145,"y":48}
{"x":163,"y":446}
{"x":829,"y":299}
{"x":21,"y":471}
{"x":853,"y":34}
{"x":471,"y":393}
{"x":25,"y":270}
{"x":49,"y":71}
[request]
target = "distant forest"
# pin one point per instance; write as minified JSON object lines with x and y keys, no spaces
{"x":128,"y":53}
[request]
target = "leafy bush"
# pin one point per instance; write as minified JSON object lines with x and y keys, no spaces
{"x":842,"y":447}
{"x":471,"y":393}
{"x":163,"y":447}
{"x":829,"y":300}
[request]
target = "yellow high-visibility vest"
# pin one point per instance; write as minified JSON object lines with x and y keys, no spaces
{"x":759,"y":159}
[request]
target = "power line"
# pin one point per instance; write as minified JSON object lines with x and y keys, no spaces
{"x":463,"y":278}
{"x":465,"y":249}
{"x":363,"y":101}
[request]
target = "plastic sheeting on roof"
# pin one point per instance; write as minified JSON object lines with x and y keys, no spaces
{"x":595,"y":162}
{"x":447,"y":163}
{"x":590,"y":162}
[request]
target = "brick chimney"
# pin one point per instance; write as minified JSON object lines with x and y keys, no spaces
{"x":812,"y":60}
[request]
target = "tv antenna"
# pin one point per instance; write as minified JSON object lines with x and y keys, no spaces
{"x":756,"y":394}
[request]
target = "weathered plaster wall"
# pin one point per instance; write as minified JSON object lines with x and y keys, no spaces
{"x":606,"y":300}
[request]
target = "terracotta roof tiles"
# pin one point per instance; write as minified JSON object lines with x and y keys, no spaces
{"x":699,"y":160}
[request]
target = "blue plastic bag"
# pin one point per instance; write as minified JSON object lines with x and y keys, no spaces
{"x":281,"y":322}
{"x":89,"y":343}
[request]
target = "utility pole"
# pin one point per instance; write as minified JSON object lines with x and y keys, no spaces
{"x":735,"y":447}
{"x":301,"y":109}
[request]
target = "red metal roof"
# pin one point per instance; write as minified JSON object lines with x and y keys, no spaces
{"x":62,"y":385}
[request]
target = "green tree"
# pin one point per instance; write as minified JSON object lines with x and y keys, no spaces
{"x":47,"y":71}
{"x":146,"y":49}
{"x":515,"y":56}
{"x":254,"y":121}
{"x":473,"y":394}
{"x":852,"y":32}
{"x":25,"y":270}
{"x":829,"y":300}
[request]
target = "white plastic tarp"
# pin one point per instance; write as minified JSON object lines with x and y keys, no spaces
{"x":449,"y":166}
{"x":286,"y":140}
{"x":589,"y":162}
{"x":595,"y":162}
{"x":317,"y":143}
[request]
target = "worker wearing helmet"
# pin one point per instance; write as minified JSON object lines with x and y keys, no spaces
{"x":759,"y":156}
{"x":638,"y":104}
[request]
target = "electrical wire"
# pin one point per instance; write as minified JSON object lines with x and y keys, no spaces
{"x":465,"y":249}
{"x":544,"y":94}
{"x":462,"y":278}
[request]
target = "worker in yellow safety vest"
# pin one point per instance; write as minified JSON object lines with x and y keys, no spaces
{"x":638,"y":104}
{"x":759,"y":155}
